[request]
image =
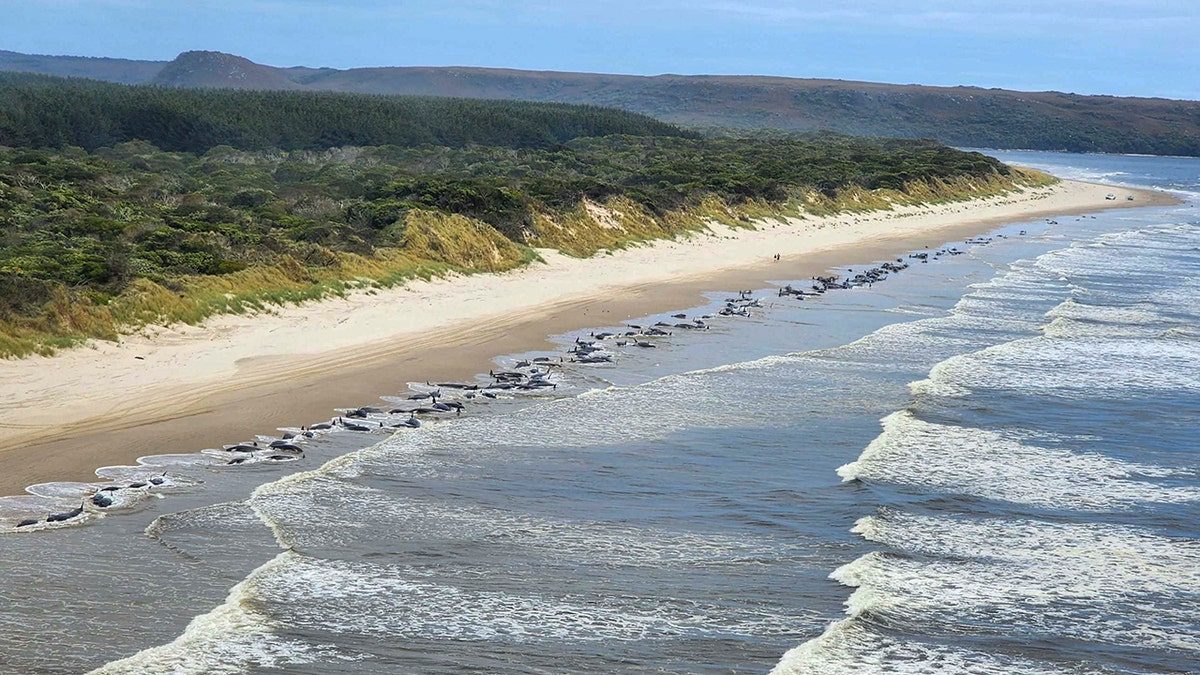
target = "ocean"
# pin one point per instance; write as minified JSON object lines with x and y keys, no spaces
{"x":986,"y":463}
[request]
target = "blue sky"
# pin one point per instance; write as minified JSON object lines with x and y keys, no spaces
{"x":1124,"y":47}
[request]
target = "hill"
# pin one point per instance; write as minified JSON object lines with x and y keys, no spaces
{"x":224,"y":71}
{"x":122,"y":71}
{"x":967,"y":116}
{"x":42,"y":111}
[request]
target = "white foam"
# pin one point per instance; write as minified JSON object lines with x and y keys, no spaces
{"x":1081,"y":367}
{"x":711,"y":398}
{"x":990,"y":464}
{"x":230,"y":639}
{"x":1005,"y":305}
{"x":1182,"y":293}
{"x":1114,"y":345}
{"x":61,"y":490}
{"x":1116,"y":585}
{"x":1135,"y":256}
{"x":849,"y":647}
{"x":375,"y":600}
{"x":169,"y":460}
{"x":1150,"y":562}
{"x":16,"y":508}
{"x":319,"y":512}
{"x":1110,"y":584}
{"x":1092,"y":320}
{"x":1182,"y":333}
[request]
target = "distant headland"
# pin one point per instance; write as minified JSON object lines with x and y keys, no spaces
{"x":960,"y":116}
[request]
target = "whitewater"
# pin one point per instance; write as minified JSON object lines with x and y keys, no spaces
{"x":986,"y":464}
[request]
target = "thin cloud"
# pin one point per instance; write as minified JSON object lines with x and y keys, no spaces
{"x":967,"y":14}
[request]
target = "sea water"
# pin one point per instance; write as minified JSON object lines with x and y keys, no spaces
{"x":986,"y":464}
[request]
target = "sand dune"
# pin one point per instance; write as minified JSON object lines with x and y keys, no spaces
{"x":182,"y":388}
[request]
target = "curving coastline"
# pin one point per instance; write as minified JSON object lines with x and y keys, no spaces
{"x":183,"y":388}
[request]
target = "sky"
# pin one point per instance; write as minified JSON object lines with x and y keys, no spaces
{"x":1121,"y":47}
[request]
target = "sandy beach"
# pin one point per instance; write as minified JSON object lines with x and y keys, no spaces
{"x":184,"y":388}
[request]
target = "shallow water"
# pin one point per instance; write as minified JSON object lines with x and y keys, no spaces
{"x":986,"y":464}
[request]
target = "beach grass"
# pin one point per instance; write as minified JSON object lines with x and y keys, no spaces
{"x":435,"y":245}
{"x":432,"y":244}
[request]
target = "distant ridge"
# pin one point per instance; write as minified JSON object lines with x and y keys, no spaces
{"x":123,"y":71}
{"x":964,"y":116}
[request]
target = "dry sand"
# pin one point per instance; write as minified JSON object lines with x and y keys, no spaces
{"x":183,"y":388}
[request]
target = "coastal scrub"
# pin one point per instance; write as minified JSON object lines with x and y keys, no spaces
{"x":96,"y":244}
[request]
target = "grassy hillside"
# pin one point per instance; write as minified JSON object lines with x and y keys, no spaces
{"x":94,"y":243}
{"x":965,"y":116}
{"x":40,"y":111}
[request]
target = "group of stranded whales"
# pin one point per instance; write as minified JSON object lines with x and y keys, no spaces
{"x":528,"y":375}
{"x":101,"y":498}
{"x":822,"y":284}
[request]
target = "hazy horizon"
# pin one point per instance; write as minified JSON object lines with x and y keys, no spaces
{"x":1116,"y":47}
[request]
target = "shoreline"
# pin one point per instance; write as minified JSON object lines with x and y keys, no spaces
{"x":236,"y":376}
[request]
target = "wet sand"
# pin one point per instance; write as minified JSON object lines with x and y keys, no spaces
{"x":66,"y":426}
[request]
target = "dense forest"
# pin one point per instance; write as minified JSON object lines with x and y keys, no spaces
{"x":93,"y":242}
{"x":962,"y":116}
{"x":41,"y":111}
